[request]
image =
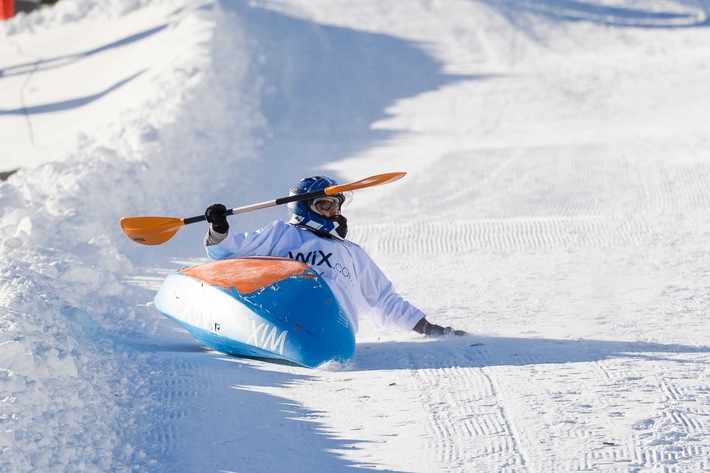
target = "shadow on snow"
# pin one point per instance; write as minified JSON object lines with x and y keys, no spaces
{"x":209,"y":413}
{"x":323,"y":88}
{"x":479,"y":352}
{"x":69,"y":104}
{"x":51,"y":63}
{"x":610,"y":15}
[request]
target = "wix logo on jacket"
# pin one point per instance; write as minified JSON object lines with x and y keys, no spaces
{"x":312,"y":258}
{"x":316,"y":259}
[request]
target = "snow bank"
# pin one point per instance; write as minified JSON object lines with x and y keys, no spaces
{"x":64,"y":307}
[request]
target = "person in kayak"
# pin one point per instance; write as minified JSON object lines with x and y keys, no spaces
{"x":316,"y":235}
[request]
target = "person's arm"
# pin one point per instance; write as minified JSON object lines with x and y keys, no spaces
{"x":222,"y":243}
{"x":213,"y":238}
{"x":389,"y":307}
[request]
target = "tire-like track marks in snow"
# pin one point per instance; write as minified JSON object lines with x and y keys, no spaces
{"x":542,"y":198}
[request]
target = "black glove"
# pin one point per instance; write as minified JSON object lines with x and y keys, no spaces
{"x":433,"y":330}
{"x":215,"y":215}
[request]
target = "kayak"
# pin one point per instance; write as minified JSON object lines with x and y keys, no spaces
{"x":261,"y":307}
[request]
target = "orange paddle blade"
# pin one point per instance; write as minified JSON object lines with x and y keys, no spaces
{"x":151,"y":230}
{"x":371,"y":181}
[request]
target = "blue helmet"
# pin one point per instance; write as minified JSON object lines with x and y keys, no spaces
{"x":305,"y":214}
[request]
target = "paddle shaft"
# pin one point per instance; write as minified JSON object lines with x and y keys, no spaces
{"x":261,"y":205}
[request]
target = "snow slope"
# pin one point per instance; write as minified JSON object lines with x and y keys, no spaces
{"x":556,"y":207}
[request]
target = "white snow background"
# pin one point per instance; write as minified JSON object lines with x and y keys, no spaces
{"x":557,"y":207}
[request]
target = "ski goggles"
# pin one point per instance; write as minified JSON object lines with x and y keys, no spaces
{"x":327,"y":204}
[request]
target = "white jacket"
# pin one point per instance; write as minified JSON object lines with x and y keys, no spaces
{"x":360,"y":286}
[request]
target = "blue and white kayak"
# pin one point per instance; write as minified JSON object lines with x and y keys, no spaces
{"x":262,"y":307}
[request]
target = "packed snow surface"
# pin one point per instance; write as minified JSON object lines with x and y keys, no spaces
{"x":556,"y":207}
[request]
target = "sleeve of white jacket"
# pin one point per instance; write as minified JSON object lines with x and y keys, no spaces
{"x":388,"y":308}
{"x":246,"y":244}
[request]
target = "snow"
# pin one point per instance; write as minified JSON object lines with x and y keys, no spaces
{"x":556,"y":208}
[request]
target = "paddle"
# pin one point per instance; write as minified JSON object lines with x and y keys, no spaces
{"x":158,"y":230}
